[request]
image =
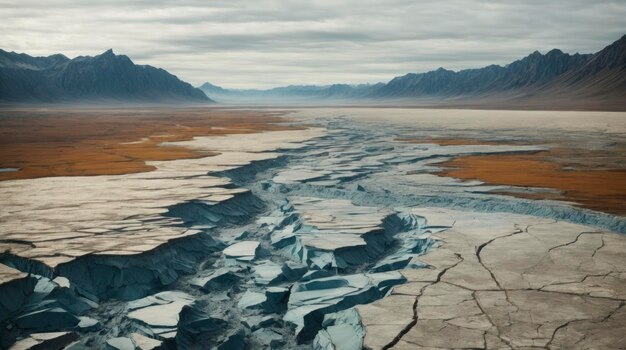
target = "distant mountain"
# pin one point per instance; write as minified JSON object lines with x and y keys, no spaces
{"x":588,"y":80}
{"x":102,"y":78}
{"x":543,"y":78}
{"x":210,"y":89}
{"x":291,"y":93}
{"x":533,"y":70}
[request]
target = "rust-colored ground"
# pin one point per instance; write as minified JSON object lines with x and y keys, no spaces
{"x":603,"y":190}
{"x":109,"y":142}
{"x":589,"y":178}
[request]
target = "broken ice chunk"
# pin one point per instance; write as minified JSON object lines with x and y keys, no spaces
{"x":242,"y":251}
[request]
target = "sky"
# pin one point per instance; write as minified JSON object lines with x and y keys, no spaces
{"x":264,"y":43}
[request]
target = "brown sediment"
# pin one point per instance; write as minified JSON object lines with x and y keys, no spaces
{"x":597,"y":189}
{"x":74,"y":142}
{"x":594,"y":179}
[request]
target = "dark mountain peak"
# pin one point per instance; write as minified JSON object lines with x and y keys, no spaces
{"x":537,"y":58}
{"x":209,"y":85}
{"x":108,"y":54}
{"x":108,"y":58}
{"x":555,"y":52}
{"x":209,"y":88}
{"x":439,"y":72}
{"x":538,"y":69}
{"x":58,"y":56}
{"x":89,"y":78}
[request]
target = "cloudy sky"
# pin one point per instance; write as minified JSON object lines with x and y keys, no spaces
{"x":262,"y":44}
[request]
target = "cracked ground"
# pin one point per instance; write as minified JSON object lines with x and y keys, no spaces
{"x":507,"y":281}
{"x":330,"y":231}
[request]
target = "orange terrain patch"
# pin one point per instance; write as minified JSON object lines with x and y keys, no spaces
{"x":602,"y":190}
{"x":588,"y":178}
{"x":111,"y":142}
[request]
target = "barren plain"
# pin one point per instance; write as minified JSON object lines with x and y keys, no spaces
{"x":337,"y":228}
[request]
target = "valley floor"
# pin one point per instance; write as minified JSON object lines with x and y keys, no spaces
{"x":332,"y":228}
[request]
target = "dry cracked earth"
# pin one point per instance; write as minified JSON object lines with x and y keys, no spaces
{"x":330,"y":233}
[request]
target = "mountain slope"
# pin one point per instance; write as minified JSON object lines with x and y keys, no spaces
{"x":531,"y":71}
{"x":603,"y":75}
{"x":542,"y":80}
{"x":106,"y":77}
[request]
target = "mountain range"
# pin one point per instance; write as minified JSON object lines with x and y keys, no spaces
{"x":593,"y":81}
{"x":104,"y":78}
{"x":553,"y":78}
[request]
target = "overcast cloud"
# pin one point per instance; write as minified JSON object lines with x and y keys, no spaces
{"x":264,"y":44}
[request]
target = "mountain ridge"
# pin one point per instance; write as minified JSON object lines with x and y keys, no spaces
{"x":534,"y":77}
{"x":543,"y":79}
{"x":101,"y":78}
